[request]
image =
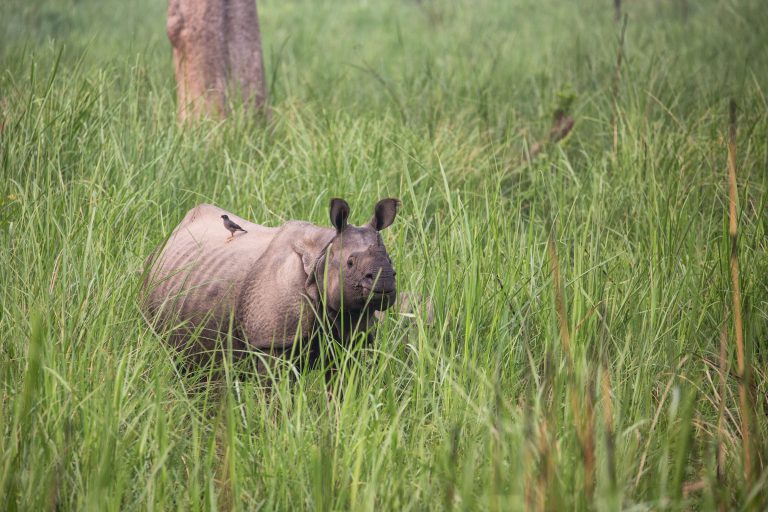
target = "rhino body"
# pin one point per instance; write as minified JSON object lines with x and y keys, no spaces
{"x":270,"y":287}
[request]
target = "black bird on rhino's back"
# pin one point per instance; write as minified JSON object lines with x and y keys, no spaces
{"x":231,"y":227}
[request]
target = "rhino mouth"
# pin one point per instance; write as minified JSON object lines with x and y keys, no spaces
{"x":380,"y":297}
{"x":379,"y":291}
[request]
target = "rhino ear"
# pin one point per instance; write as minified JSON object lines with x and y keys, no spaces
{"x":384,"y":213}
{"x":339,"y":213}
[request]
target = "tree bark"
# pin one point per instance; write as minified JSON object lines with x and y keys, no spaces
{"x":217,"y":56}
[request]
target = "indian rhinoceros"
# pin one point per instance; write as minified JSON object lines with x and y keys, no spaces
{"x":273,"y":288}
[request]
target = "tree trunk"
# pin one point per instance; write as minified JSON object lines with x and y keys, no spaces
{"x":217,"y":55}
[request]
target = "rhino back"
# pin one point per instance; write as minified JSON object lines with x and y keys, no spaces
{"x":198,"y":275}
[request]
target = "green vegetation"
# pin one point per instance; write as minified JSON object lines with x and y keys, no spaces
{"x":494,"y":405}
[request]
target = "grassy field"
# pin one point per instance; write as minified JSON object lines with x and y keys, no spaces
{"x":611,"y":384}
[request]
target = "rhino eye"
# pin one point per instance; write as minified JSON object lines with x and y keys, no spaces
{"x":350,"y":262}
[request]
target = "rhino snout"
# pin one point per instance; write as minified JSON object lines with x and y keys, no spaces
{"x":381,"y":281}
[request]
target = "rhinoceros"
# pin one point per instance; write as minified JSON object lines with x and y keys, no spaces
{"x":274,"y":288}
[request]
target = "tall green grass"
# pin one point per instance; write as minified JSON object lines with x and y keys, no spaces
{"x":438,"y":103}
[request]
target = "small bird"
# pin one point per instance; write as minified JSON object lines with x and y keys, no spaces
{"x":231,"y":227}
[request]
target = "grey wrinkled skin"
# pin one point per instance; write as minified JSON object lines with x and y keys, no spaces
{"x":273,"y":288}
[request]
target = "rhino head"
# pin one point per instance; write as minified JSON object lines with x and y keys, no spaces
{"x":356,"y":273}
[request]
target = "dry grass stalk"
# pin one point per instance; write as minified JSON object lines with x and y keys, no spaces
{"x":606,"y":393}
{"x":584,"y":424}
{"x":736,"y":297}
{"x":562,"y":319}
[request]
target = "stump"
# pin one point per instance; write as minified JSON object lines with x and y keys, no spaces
{"x":217,"y":56}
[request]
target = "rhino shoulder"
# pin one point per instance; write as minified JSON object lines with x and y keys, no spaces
{"x":305,"y":239}
{"x":300,"y":230}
